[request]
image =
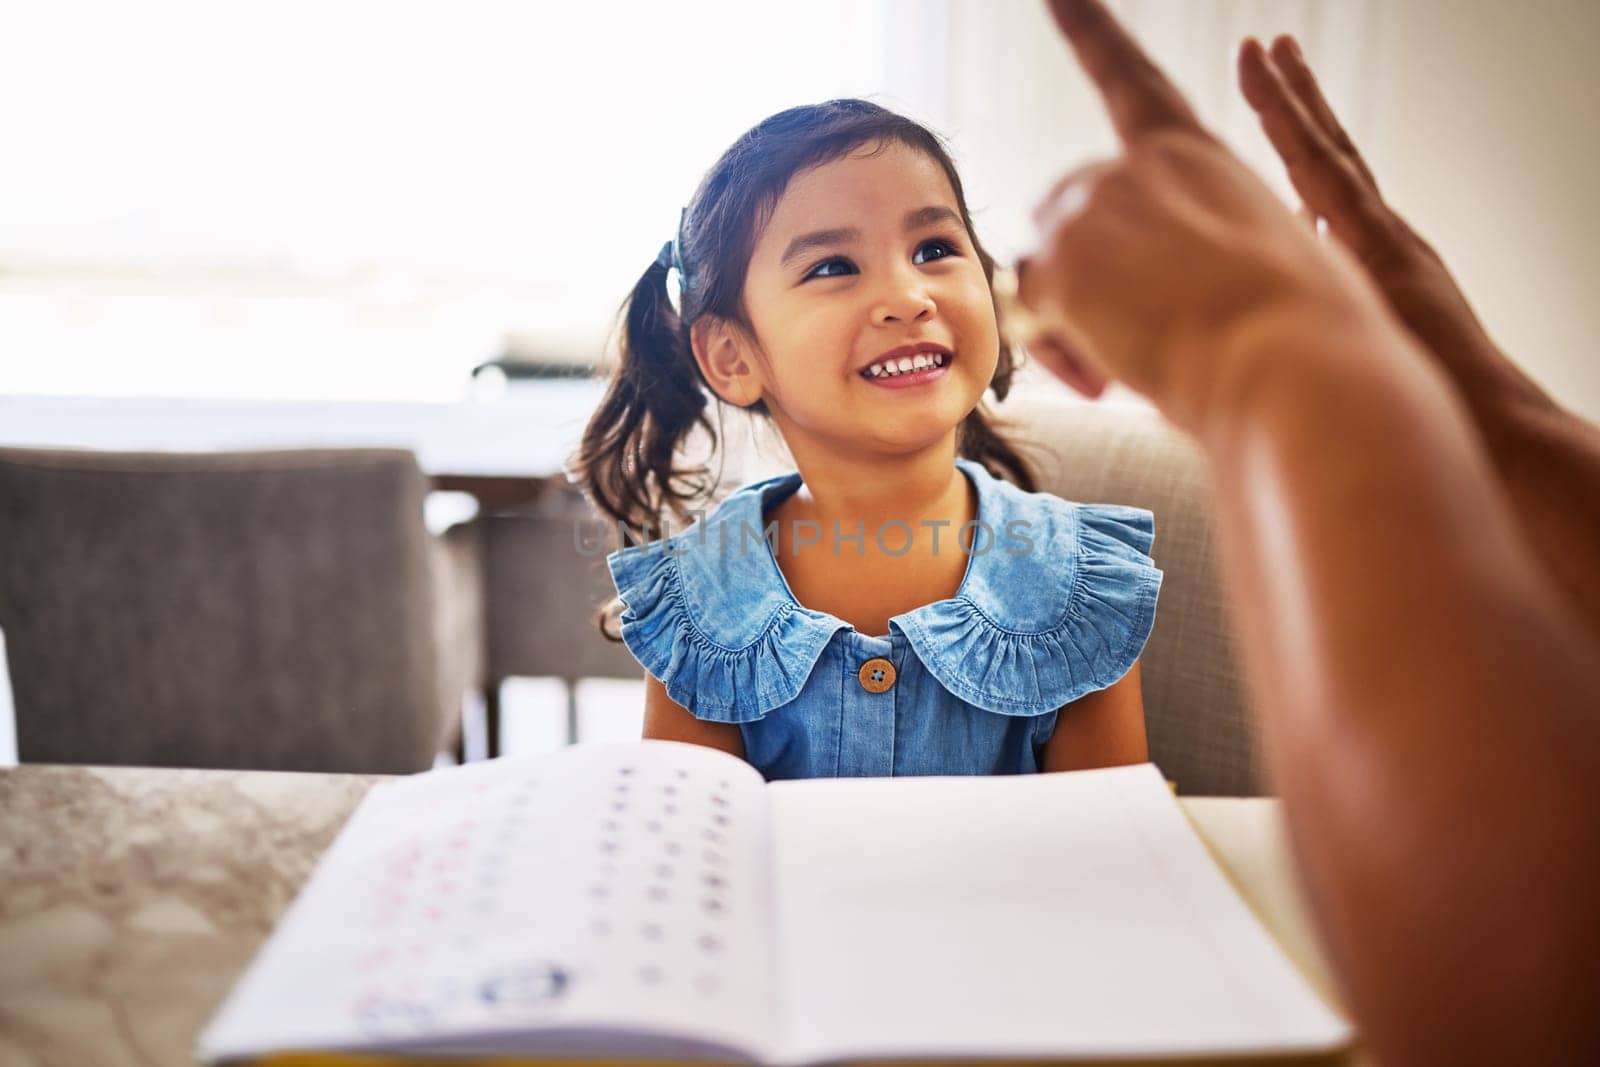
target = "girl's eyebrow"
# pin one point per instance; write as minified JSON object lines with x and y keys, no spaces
{"x":924,"y":217}
{"x":816,"y":239}
{"x":921,"y":218}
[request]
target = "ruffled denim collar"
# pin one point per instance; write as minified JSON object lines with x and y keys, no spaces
{"x":708,"y":611}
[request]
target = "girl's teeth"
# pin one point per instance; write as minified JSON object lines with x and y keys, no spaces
{"x":892,"y":367}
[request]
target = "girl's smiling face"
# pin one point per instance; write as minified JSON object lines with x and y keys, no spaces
{"x":864,"y":261}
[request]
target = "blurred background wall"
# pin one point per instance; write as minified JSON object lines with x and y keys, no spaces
{"x":1489,"y":135}
{"x":1480,"y":119}
{"x":365,"y":200}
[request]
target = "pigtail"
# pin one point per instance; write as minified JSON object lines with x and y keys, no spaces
{"x":981,"y":441}
{"x":654,"y":400}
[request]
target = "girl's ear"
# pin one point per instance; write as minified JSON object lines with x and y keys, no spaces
{"x":727,"y":359}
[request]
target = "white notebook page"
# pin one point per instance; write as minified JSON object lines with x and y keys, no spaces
{"x":601,"y":889}
{"x":1046,"y":915}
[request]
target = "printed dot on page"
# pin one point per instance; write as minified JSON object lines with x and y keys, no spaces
{"x":713,"y":906}
{"x":714,"y":837}
{"x":719,"y":800}
{"x":673,"y":848}
{"x":651,"y":931}
{"x":708,"y":943}
{"x":712,"y":856}
{"x":670,"y":790}
{"x":624,"y":770}
{"x":663,"y":870}
{"x":600,"y":927}
{"x":720,"y":819}
{"x":671,"y":809}
{"x":650,"y":974}
{"x":715,"y":881}
{"x":654,"y":826}
{"x":657,"y":893}
{"x":599,"y":892}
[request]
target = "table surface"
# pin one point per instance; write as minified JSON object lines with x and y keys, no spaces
{"x":131,"y":898}
{"x":529,"y":433}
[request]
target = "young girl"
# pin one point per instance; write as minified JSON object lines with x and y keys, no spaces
{"x":893,"y":606}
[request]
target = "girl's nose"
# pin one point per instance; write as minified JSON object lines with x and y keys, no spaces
{"x":904,"y":299}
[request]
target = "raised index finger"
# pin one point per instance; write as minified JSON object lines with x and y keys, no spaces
{"x":1137,"y":94}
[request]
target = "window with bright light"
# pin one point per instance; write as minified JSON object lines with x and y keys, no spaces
{"x":365,"y":200}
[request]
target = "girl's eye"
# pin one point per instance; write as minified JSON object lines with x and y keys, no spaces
{"x":823,"y":269}
{"x":938,"y":246}
{"x":929,"y":251}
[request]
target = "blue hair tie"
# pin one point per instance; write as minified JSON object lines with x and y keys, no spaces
{"x":671,"y":254}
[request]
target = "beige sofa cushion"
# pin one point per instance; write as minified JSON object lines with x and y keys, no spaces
{"x":1196,"y":705}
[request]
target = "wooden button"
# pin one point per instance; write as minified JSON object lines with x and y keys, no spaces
{"x":876,"y":675}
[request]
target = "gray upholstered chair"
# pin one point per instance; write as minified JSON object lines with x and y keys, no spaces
{"x":269,"y":610}
{"x":545,"y":580}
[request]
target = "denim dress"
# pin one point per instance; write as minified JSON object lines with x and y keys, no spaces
{"x":1057,"y":601}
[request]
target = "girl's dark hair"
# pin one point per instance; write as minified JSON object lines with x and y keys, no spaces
{"x":657,"y":394}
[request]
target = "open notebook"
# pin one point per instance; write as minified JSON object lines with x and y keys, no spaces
{"x":659,"y":899}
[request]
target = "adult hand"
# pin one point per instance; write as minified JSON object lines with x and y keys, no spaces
{"x":1426,"y":694}
{"x":1547,"y":459}
{"x":1335,"y":184}
{"x":1156,"y":267}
